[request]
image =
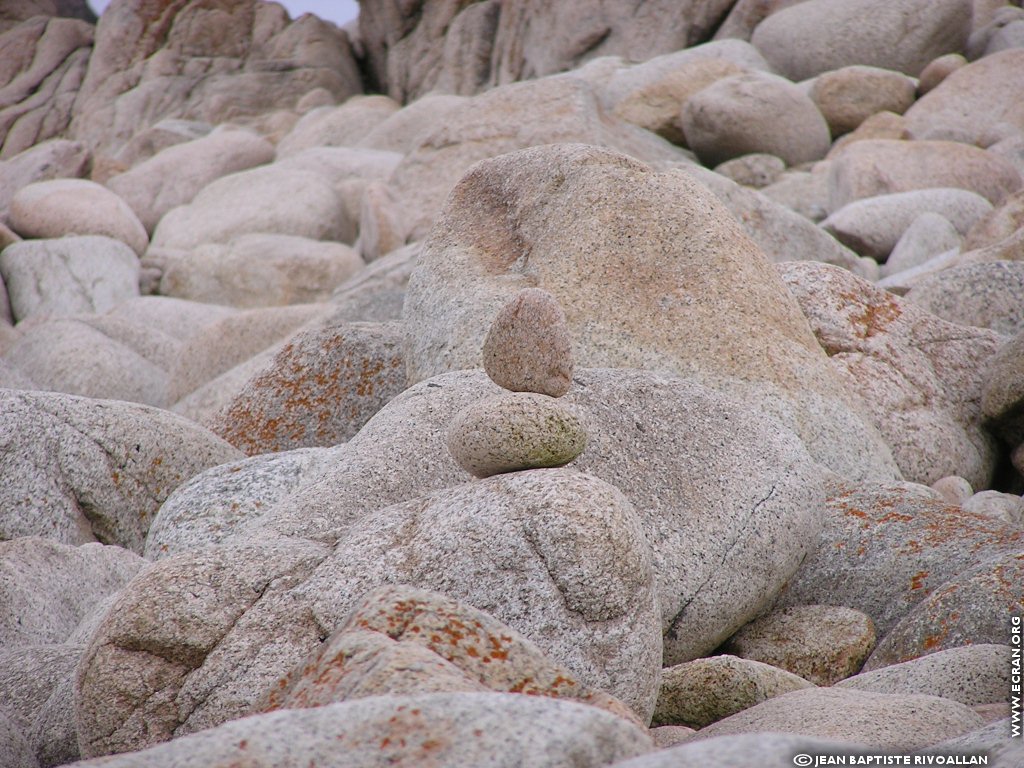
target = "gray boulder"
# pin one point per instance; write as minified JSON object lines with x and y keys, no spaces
{"x":69,"y":275}
{"x":901,"y":722}
{"x":806,"y":39}
{"x":606,"y":265}
{"x":83,"y":470}
{"x":971,"y":674}
{"x":500,"y":730}
{"x":49,"y":589}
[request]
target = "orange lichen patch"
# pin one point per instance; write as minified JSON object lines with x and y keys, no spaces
{"x":873,"y":317}
{"x":917,"y":580}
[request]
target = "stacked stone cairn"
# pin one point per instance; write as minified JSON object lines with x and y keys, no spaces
{"x":527,"y":351}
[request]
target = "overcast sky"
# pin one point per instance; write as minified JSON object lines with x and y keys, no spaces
{"x":338,"y":11}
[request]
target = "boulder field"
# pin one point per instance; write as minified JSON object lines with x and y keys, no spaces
{"x":510,"y":383}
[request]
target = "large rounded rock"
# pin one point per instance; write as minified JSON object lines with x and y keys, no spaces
{"x":174,"y":176}
{"x":87,"y":355}
{"x":75,"y":207}
{"x":884,"y":721}
{"x":979,"y":295}
{"x":48,"y":589}
{"x":873,"y":225}
{"x":68,"y":276}
{"x":850,"y":95}
{"x":82,"y":470}
{"x":820,"y":643}
{"x":755,"y":112}
{"x":889,"y":551}
{"x":402,"y":640}
{"x":36,"y":688}
{"x":690,"y":450}
{"x":921,"y":376}
{"x":269,"y":199}
{"x":197,"y":639}
{"x":258,"y":270}
{"x":821,"y":35}
{"x":974,"y":102}
{"x":649,"y":254}
{"x":204,"y":509}
{"x":884,"y":166}
{"x":53,"y":159}
{"x":703,"y":691}
{"x":494,"y":729}
{"x":515,"y":431}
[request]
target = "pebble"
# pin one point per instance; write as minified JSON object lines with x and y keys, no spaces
{"x":529,"y":348}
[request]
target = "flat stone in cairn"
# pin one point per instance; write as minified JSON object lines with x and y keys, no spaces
{"x":528,"y":348}
{"x":512,"y":432}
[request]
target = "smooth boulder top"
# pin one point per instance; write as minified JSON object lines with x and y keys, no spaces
{"x":647,"y":255}
{"x":817,"y":36}
{"x":75,"y":207}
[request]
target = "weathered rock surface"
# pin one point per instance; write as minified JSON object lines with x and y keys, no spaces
{"x":972,"y":674}
{"x":820,"y":643}
{"x":45,"y":62}
{"x":922,"y":376}
{"x":142,"y":71}
{"x":401,"y":640}
{"x":888,"y":551}
{"x":85,"y":470}
{"x":318,"y":390}
{"x":526,"y":201}
{"x":504,"y":730}
{"x":972,"y":608}
{"x":901,"y":722}
{"x":464,"y":48}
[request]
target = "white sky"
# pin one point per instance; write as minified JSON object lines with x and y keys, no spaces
{"x":338,"y":11}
